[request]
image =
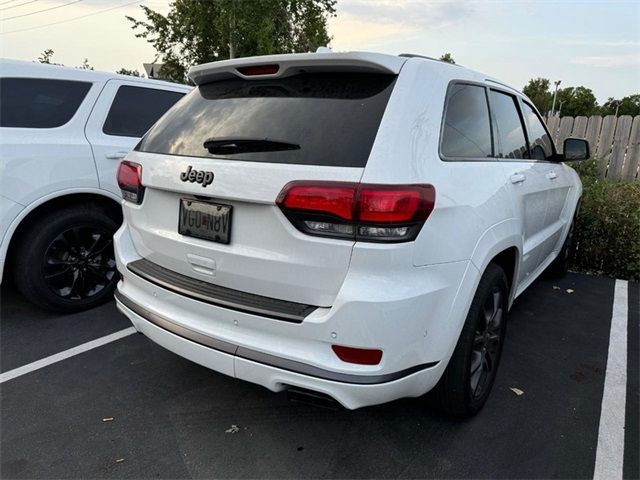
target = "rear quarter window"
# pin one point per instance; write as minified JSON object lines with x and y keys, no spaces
{"x":135,"y":109}
{"x":326,"y":119}
{"x":466,"y":131}
{"x":39,"y":102}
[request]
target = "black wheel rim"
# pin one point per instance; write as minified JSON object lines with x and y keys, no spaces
{"x":79,"y":263}
{"x":485,"y":353}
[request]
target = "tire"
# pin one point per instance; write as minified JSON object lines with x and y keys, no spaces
{"x":560,"y":265}
{"x":65,"y":263}
{"x":466,"y":383}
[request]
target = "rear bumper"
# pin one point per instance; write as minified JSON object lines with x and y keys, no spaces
{"x":415,"y":322}
{"x":352,"y":391}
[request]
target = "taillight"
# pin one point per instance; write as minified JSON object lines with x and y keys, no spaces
{"x":358,"y":211}
{"x":361,"y":356}
{"x":130,"y":181}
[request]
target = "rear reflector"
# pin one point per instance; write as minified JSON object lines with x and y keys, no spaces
{"x":259,"y":70}
{"x":361,"y":356}
{"x":130,"y":181}
{"x":365,"y":212}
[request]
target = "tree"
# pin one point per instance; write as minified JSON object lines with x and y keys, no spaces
{"x":538,"y":91}
{"x":626,"y":106}
{"x":45,"y":57}
{"x":447,"y":57}
{"x":85,"y":65}
{"x":576,"y":101}
{"x":126,"y":71}
{"x":200,"y":31}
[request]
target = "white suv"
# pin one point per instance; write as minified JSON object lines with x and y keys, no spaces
{"x":63,"y":132}
{"x":354,"y":225}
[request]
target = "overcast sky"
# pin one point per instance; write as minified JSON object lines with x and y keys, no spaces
{"x":581,"y":42}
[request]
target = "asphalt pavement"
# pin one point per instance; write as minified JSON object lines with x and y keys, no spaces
{"x":130,"y":409}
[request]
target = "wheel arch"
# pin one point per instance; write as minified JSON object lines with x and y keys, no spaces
{"x":501,"y":244}
{"x":106,"y":201}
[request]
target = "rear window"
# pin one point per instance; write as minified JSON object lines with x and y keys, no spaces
{"x":39,"y":103}
{"x":328,"y":119}
{"x":135,"y":109}
{"x":511,"y":142}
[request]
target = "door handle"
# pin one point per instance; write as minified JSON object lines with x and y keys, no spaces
{"x":517,"y":178}
{"x":116,"y":155}
{"x":551,"y":175}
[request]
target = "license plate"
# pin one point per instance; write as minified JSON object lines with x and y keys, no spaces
{"x":208,"y":221}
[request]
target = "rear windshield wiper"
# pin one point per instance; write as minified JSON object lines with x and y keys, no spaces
{"x":231,"y":146}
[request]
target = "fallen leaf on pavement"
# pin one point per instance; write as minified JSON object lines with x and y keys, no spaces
{"x":517,"y":391}
{"x":569,"y":290}
{"x":233,"y":429}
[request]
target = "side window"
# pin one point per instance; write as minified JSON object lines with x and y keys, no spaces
{"x":510,"y":139}
{"x":541,"y":144}
{"x":39,"y":102}
{"x":135,"y":109}
{"x":467,"y":130}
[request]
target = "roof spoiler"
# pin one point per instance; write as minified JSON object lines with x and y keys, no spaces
{"x":279,"y":66}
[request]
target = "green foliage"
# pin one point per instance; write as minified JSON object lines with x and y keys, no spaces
{"x":85,"y":65}
{"x":538,"y":92}
{"x":45,"y":57}
{"x":576,"y":101}
{"x":200,"y":31}
{"x":626,"y":106}
{"x":130,"y":72}
{"x":608,"y":227}
{"x":447,"y":57}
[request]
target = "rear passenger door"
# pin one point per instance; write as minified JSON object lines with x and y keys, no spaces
{"x":525,"y":177}
{"x":122,"y":115}
{"x":558,"y":180}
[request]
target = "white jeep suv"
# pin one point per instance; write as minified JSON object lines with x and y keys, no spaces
{"x":353,"y":225}
{"x":63,"y":132}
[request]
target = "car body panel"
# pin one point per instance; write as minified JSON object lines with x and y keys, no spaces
{"x":42,"y":164}
{"x":408,"y":299}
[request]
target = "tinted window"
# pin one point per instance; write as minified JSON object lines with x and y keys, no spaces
{"x":510,"y":138}
{"x":311,"y":119}
{"x":136,"y":109}
{"x":467,"y":131}
{"x":539,"y":139}
{"x":39,"y":103}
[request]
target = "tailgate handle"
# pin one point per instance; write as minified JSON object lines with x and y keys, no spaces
{"x":204,"y":265}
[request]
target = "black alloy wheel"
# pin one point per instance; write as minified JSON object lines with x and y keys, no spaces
{"x":79,"y":263}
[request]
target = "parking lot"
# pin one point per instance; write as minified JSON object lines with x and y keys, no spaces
{"x":132,"y":409}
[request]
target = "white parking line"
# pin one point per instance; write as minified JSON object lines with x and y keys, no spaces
{"x":610,"y":450}
{"x":98,"y":342}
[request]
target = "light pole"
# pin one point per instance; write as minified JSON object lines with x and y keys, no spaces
{"x":555,"y":93}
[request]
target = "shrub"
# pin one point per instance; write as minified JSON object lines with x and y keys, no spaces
{"x":608,"y":227}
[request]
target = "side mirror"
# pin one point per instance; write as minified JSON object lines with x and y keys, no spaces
{"x":576,"y":149}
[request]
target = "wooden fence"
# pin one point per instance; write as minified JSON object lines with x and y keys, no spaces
{"x":614,"y":141}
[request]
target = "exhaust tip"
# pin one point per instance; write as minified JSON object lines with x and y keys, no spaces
{"x":309,"y":397}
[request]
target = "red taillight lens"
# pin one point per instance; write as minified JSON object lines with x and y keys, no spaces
{"x":367,"y":212}
{"x":382,"y":204}
{"x":130,"y":181}
{"x":332,"y":198}
{"x":259,"y":70}
{"x":361,"y":356}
